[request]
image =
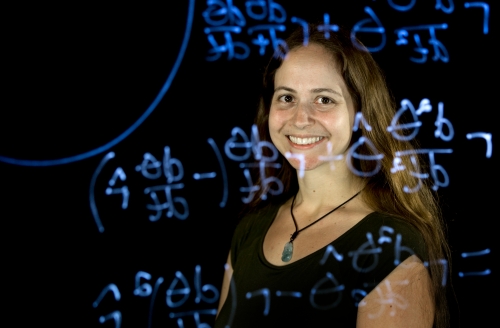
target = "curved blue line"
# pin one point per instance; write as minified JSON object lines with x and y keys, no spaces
{"x":114,"y":142}
{"x":223,"y":171}
{"x":93,"y":206}
{"x":153,"y":297}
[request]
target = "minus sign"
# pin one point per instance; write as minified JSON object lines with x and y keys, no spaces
{"x":477,"y":273}
{"x":199,"y":176}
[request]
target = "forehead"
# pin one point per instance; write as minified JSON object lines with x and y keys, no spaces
{"x":311,"y":66}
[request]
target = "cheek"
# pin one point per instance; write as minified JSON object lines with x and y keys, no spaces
{"x":274,"y":134}
{"x":274,"y":123}
{"x":341,"y":126}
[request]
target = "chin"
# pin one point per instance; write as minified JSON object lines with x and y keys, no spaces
{"x":302,"y":164}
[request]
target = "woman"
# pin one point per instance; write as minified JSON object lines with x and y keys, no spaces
{"x":346,"y":244}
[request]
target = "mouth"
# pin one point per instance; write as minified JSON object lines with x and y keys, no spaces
{"x":304,"y":141}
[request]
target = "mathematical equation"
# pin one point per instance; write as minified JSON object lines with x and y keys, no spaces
{"x":264,"y":20}
{"x":167,"y":174}
{"x":177,"y":294}
{"x":360,"y":263}
{"x":363,"y":260}
{"x":201,"y":298}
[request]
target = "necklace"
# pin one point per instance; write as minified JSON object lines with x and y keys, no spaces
{"x":288,"y":249}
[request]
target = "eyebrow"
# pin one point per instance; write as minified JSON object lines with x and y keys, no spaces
{"x":316,"y":90}
{"x":284,"y":88}
{"x":319,"y":90}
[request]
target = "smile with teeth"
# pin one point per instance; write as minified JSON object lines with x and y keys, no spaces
{"x":304,"y":141}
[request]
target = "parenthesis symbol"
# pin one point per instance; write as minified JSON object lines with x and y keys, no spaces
{"x":223,"y":169}
{"x":93,"y":206}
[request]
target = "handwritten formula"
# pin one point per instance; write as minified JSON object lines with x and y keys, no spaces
{"x":229,"y":22}
{"x":166,"y":173}
{"x":179,"y":292}
{"x":188,"y":302}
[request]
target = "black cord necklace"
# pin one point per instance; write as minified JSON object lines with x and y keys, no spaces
{"x":288,"y":249}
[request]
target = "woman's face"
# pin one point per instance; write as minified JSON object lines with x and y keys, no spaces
{"x":312,"y":114}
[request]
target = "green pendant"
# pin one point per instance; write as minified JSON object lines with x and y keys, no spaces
{"x":287,"y":252}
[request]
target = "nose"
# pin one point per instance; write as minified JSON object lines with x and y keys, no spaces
{"x":302,"y":117}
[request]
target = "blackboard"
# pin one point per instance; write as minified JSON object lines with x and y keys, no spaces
{"x":120,"y":187}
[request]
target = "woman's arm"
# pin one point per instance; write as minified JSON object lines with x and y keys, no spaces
{"x":228,"y":273}
{"x":402,"y":299}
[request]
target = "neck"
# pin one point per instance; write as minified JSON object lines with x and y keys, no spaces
{"x":319,"y":188}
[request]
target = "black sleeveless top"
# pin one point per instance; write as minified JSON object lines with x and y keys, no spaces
{"x":322,"y":289}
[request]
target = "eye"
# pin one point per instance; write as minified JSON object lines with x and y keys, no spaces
{"x":324,"y":100}
{"x":286,"y":98}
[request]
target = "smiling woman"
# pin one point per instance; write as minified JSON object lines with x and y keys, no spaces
{"x":344,"y":245}
{"x":312,"y":114}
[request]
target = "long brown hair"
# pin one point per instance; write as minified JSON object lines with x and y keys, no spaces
{"x":385,"y":190}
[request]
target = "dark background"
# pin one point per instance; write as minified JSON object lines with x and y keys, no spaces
{"x":77,"y":78}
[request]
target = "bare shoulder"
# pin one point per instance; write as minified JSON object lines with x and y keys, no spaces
{"x":402,"y":299}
